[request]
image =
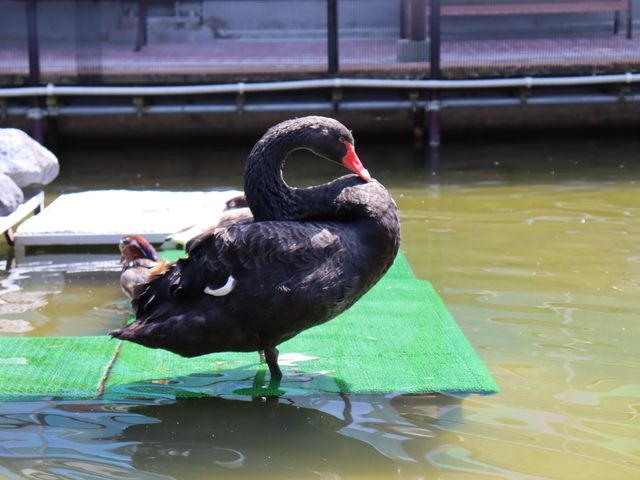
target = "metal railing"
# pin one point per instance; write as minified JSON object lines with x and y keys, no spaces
{"x":424,"y":94}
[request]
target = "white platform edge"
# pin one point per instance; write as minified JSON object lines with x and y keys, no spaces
{"x":26,"y":235}
{"x":34,"y":203}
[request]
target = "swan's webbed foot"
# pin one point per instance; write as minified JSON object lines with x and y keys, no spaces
{"x":271,"y":356}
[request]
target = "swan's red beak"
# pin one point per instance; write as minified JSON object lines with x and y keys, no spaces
{"x":353,"y":163}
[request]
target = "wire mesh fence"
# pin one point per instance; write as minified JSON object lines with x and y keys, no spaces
{"x":92,"y":42}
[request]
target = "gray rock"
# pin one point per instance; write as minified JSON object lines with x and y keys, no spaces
{"x":10,"y":195}
{"x":25,"y":160}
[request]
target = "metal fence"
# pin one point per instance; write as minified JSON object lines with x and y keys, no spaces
{"x":234,"y":45}
{"x":92,"y":42}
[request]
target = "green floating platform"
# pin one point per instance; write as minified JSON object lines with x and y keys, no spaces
{"x":398,"y":338}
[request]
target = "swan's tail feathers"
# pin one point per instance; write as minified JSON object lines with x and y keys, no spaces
{"x":168,"y":286}
{"x":119,"y":333}
{"x":137,"y":332}
{"x":128,"y":332}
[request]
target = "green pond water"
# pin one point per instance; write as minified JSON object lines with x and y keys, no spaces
{"x":535,"y":249}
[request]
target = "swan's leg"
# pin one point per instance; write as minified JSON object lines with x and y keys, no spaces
{"x":262,"y":357}
{"x":271,"y":356}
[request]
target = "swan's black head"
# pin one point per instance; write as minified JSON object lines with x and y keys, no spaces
{"x":330,"y":139}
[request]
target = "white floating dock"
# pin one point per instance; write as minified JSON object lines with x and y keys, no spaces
{"x":102,"y":217}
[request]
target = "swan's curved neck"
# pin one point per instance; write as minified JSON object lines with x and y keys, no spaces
{"x":268,"y":195}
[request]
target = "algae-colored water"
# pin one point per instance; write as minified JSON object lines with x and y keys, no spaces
{"x":535,"y":249}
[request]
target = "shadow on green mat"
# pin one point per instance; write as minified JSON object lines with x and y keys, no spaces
{"x":242,"y":382}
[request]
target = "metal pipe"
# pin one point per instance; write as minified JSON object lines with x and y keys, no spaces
{"x":76,"y":111}
{"x":241,"y":88}
{"x":550,"y":100}
{"x":15,"y":111}
{"x":290,"y":107}
{"x":484,"y":102}
{"x":579,"y":99}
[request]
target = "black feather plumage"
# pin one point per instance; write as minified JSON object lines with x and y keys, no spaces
{"x":308,"y":255}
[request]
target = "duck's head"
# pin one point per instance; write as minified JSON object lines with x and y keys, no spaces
{"x":136,"y":246}
{"x":239,"y":201}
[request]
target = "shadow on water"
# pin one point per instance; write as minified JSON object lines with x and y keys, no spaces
{"x":221,"y":435}
{"x":313,"y":436}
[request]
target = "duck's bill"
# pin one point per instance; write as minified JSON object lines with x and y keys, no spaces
{"x":353,"y":163}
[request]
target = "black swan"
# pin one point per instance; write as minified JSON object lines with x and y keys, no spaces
{"x":138,"y":259}
{"x":307,"y":256}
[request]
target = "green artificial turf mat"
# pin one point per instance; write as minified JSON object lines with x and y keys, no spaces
{"x":70,"y":367}
{"x":398,"y":338}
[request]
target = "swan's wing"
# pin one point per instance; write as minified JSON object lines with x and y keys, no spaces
{"x":236,"y":252}
{"x":293,"y":245}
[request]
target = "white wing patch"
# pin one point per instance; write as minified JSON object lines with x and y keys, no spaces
{"x":323,"y":239}
{"x":226,"y":289}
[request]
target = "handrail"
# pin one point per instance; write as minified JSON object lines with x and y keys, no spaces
{"x":52,"y":90}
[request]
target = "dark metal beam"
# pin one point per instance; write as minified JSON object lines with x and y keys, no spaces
{"x":418,"y":24}
{"x":435,"y":39}
{"x":34,"y":65}
{"x":434,"y":46}
{"x":141,"y":35}
{"x":332,"y":36}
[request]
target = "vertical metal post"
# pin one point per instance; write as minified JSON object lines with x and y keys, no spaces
{"x":418,"y":24}
{"x":141,"y":36}
{"x":34,"y":65}
{"x":332,"y":36}
{"x":630,"y":19}
{"x":434,"y":121}
{"x":32,"y":43}
{"x":404,"y":15}
{"x":419,"y":116}
{"x":435,"y":39}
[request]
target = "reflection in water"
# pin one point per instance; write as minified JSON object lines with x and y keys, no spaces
{"x":61,"y":294}
{"x":306,"y":437}
{"x":261,"y":438}
{"x":535,"y":250}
